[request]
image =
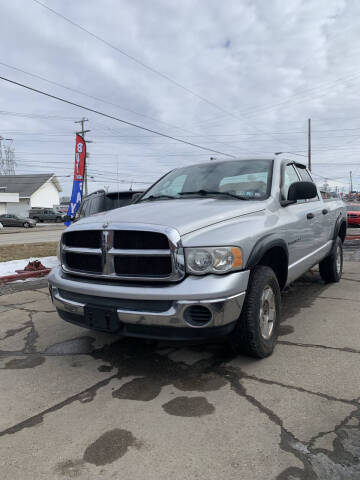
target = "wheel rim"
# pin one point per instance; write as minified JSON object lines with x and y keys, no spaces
{"x":338,"y":259}
{"x":267,"y":313}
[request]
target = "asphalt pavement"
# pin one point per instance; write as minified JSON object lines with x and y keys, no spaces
{"x":86,"y":405}
{"x":15,"y":236}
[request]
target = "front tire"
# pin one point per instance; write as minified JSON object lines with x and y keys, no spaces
{"x":256,"y":331}
{"x":331,"y":267}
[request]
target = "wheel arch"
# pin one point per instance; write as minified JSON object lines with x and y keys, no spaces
{"x":340,"y":230}
{"x":272,"y":252}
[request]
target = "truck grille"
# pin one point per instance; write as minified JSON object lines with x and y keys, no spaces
{"x":121,"y":254}
{"x":139,"y":240}
{"x":84,"y":262}
{"x":88,"y":239}
{"x":144,"y":266}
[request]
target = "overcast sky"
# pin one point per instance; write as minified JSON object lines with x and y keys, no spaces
{"x":261,"y":68}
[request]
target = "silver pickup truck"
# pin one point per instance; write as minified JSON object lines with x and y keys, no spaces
{"x":205,"y":252}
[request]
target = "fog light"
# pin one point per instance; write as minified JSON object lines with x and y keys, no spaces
{"x":197,"y":315}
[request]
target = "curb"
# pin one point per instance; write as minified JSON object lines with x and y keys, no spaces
{"x":24,"y":276}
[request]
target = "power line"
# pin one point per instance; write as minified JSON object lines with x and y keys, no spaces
{"x":303,"y":95}
{"x":34,"y":115}
{"x":97,"y":112}
{"x":139,"y":62}
{"x":131,"y":57}
{"x":34,"y":75}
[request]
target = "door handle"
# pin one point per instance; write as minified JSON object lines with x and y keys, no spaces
{"x":309,"y":216}
{"x":325,"y":211}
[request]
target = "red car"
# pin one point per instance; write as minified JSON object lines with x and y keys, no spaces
{"x":353,"y":215}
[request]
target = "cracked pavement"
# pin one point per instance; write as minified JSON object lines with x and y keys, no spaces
{"x":80,"y":404}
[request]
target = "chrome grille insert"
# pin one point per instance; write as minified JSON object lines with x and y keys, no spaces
{"x":123,"y":254}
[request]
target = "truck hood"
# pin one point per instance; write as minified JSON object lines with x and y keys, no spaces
{"x":185,"y":215}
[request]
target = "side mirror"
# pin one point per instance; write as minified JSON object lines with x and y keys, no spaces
{"x":300,"y":191}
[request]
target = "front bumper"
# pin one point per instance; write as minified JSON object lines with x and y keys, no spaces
{"x":160,"y":311}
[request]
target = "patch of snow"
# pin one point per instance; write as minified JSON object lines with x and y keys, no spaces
{"x":8,"y":268}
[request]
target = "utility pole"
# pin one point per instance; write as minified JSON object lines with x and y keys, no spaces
{"x":351,"y":182}
{"x":309,"y":144}
{"x":82,"y":133}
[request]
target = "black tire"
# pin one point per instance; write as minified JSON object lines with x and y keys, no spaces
{"x":26,"y":224}
{"x":247,"y":336}
{"x":58,"y":219}
{"x":331,"y":267}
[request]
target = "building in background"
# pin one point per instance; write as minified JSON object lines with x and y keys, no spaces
{"x":7,"y":199}
{"x":19,"y":193}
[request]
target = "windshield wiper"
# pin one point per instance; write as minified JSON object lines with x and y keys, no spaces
{"x":214,"y":192}
{"x":157,"y":197}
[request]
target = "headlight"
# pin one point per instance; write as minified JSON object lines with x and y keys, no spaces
{"x":200,"y":261}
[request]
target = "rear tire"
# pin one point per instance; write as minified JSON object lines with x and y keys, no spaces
{"x":331,"y":267}
{"x":256,"y":331}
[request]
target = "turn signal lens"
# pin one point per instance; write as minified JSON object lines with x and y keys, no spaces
{"x":238,"y":260}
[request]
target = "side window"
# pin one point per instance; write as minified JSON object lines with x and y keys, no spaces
{"x":290,"y":176}
{"x":82,"y":209}
{"x":96,"y":205}
{"x":306,"y":177}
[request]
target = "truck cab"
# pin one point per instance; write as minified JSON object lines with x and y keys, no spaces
{"x":203,"y":253}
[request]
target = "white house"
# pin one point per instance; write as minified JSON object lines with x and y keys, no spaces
{"x":19,"y":193}
{"x":6,"y":199}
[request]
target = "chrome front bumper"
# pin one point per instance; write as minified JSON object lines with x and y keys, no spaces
{"x":223,"y":296}
{"x":223,"y":311}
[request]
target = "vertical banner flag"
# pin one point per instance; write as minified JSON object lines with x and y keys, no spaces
{"x":76,"y":196}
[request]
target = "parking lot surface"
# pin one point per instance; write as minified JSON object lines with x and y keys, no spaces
{"x":49,"y":233}
{"x":79,"y":404}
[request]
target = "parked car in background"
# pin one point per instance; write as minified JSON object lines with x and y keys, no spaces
{"x":62,"y":208}
{"x":46,"y":215}
{"x":353,"y":215}
{"x":11,"y":220}
{"x":101,"y":201}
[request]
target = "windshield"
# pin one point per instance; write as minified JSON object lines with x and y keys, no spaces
{"x":243,"y":179}
{"x":353,"y":208}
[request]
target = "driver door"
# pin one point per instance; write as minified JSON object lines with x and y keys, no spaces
{"x":298,"y":226}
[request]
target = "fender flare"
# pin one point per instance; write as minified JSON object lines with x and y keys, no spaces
{"x":262,"y":246}
{"x":339,"y":222}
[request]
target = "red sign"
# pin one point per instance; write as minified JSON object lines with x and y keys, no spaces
{"x":80,"y":154}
